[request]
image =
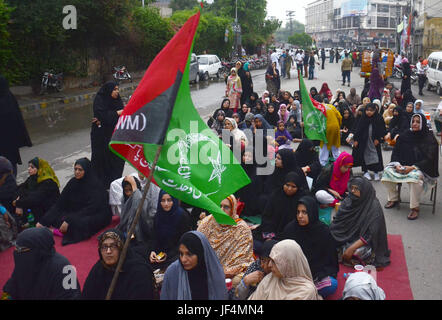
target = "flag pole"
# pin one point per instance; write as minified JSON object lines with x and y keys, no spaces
{"x":132,"y":227}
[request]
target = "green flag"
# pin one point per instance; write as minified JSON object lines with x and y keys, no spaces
{"x":314,"y":115}
{"x":194,"y":166}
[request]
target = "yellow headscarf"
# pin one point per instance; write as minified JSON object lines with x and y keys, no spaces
{"x":45,"y":172}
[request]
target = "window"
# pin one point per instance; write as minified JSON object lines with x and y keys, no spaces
{"x":393,"y":23}
{"x":203,"y":60}
{"x":382,"y":22}
{"x":440,"y":65}
{"x":434,"y":64}
{"x":430,"y":61}
{"x":212,"y":60}
{"x":383,"y":8}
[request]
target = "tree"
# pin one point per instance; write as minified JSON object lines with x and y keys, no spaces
{"x":5,"y":44}
{"x":282,"y":34}
{"x":302,"y":40}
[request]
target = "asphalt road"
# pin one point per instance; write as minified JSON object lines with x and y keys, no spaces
{"x":66,"y":138}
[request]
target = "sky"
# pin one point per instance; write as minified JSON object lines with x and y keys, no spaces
{"x":278,"y":9}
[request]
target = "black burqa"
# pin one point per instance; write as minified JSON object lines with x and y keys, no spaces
{"x":419,"y":148}
{"x":281,"y":208}
{"x":13,"y":132}
{"x":228,"y":113}
{"x":289,"y":163}
{"x":39,"y":273}
{"x":247,"y":86}
{"x":251,"y":194}
{"x":406,"y":80}
{"x":399,"y":123}
{"x":362,"y":217}
{"x":107,"y":166}
{"x":83,"y":204}
{"x":306,"y":155}
{"x":315,"y":240}
{"x":8,"y":184}
{"x":135,"y":281}
{"x":378,"y":131}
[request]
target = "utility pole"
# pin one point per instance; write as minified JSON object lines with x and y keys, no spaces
{"x":290,"y":14}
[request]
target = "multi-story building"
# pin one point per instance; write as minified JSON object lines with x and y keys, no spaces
{"x":355,"y":23}
{"x":427,"y":27}
{"x":163,"y":5}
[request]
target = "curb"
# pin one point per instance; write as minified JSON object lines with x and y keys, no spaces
{"x":37,"y":109}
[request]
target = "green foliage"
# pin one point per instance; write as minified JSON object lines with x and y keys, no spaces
{"x":301,"y":40}
{"x":153,"y":31}
{"x":5,"y":50}
{"x":282,"y":34}
{"x":255,"y":28}
{"x":210,"y":33}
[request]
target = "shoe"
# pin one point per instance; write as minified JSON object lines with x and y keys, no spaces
{"x":367,"y":176}
{"x":391,"y":204}
{"x":57,"y":233}
{"x":376,"y":176}
{"x":349,"y":84}
{"x":343,"y":83}
{"x":414,"y":214}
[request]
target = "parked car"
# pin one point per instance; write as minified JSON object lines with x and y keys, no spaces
{"x":194,"y":70}
{"x":434,"y":73}
{"x":210,"y":66}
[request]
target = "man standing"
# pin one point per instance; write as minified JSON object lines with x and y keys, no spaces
{"x":323,"y":57}
{"x":299,"y":61}
{"x":422,"y":74}
{"x":346,"y":68}
{"x":332,"y":55}
{"x":282,"y":61}
{"x":288,"y":64}
{"x":306,"y":60}
{"x":311,"y":65}
{"x":337,"y":55}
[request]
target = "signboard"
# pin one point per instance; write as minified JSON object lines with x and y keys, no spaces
{"x":354,"y":8}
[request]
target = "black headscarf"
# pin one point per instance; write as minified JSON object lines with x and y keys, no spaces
{"x":362,"y":217}
{"x":289,"y":163}
{"x":83,"y":204}
{"x":135,"y":281}
{"x":12,"y":125}
{"x":407,"y":97}
{"x":418,"y":148}
{"x":315,"y":240}
{"x":306,"y":155}
{"x":197,"y":276}
{"x":38,"y":273}
{"x":281,"y":208}
{"x":272,"y":118}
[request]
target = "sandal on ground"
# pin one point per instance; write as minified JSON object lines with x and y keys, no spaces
{"x":390,"y":204}
{"x":414,"y":214}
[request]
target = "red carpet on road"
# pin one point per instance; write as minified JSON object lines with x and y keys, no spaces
{"x":393,"y":279}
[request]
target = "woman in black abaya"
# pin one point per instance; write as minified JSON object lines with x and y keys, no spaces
{"x":39,"y":272}
{"x":83,"y":207}
{"x":136,"y":280}
{"x":13,"y":132}
{"x":107,"y":109}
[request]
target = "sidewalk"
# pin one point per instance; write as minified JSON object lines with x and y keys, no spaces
{"x":33,"y":106}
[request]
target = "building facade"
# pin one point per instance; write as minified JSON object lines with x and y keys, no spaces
{"x":427,"y":27}
{"x":355,"y":23}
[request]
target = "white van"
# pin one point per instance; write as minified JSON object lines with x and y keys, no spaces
{"x":434,"y":72}
{"x":210,"y":66}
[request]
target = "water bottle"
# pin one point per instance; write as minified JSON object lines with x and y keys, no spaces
{"x":31,"y":219}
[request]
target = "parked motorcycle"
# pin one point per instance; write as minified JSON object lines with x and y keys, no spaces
{"x":121,"y":73}
{"x":51,"y":80}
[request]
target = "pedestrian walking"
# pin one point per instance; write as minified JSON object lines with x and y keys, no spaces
{"x":299,"y":57}
{"x":346,"y":68}
{"x":332,"y":55}
{"x":422,"y":68}
{"x":306,"y":64}
{"x":311,"y":66}
{"x":323,"y":58}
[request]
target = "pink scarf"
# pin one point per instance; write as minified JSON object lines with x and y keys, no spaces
{"x":339,"y":180}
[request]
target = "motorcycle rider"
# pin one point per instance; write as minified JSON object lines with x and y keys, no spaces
{"x":421,"y":73}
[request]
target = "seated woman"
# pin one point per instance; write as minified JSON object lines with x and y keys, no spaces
{"x":317,"y":244}
{"x":170,"y":223}
{"x":290,"y":279}
{"x":233,"y":244}
{"x":39,"y":272}
{"x":39,"y":192}
{"x":197,"y":275}
{"x":359,"y":226}
{"x":255,"y":273}
{"x":282,"y":136}
{"x":116,"y":192}
{"x":281,"y":208}
{"x":347,"y":125}
{"x":238,"y":138}
{"x":362,"y":286}
{"x":308,"y":159}
{"x":82,"y":209}
{"x":331,"y":185}
{"x":218,"y":123}
{"x":143,"y":239}
{"x":8,"y":184}
{"x":414,"y":160}
{"x":135,"y":282}
{"x":397,"y":126}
